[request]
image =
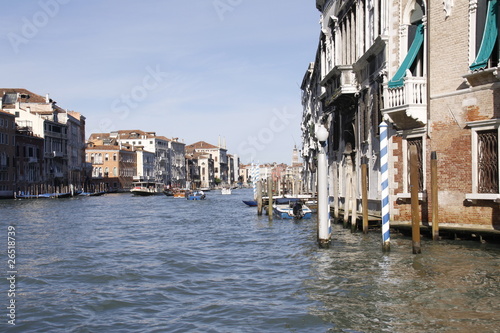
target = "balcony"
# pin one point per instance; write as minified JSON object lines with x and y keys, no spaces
{"x":406,"y":106}
{"x":341,"y":80}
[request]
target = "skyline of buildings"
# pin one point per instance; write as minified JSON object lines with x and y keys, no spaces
{"x":43,"y":144}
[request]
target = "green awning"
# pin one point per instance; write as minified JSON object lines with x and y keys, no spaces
{"x":489,"y":37}
{"x":397,"y":79}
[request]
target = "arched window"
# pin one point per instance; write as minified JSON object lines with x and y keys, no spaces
{"x":413,"y":60}
{"x":484,"y":34}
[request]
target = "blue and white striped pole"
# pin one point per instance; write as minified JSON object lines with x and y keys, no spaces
{"x":257,"y":172}
{"x":384,"y":171}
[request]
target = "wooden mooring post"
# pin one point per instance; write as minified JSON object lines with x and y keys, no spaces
{"x":270,"y":196}
{"x":364,"y":196}
{"x":434,"y":197}
{"x":415,"y":215}
{"x":259,"y":197}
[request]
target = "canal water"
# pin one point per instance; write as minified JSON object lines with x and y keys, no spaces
{"x":120,"y":263}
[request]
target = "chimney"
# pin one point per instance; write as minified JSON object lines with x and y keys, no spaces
{"x":47,"y":99}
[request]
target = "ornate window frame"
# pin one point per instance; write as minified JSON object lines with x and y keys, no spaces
{"x":477,"y":126}
{"x":419,"y":133}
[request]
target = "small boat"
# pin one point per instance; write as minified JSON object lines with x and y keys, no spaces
{"x":226,"y":190}
{"x":61,"y":195}
{"x":146,"y":188}
{"x":291,"y":208}
{"x":92,"y":194}
{"x":196,"y":195}
{"x":169,"y":192}
{"x":44,"y":195}
{"x":251,"y":203}
{"x":23,"y":195}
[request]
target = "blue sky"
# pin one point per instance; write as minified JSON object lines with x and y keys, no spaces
{"x":195,"y":69}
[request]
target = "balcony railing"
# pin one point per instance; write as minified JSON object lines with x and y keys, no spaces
{"x":407,"y":105}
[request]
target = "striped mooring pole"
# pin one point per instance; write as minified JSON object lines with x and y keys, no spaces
{"x":384,"y":171}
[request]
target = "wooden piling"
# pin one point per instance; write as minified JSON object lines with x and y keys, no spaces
{"x":347,"y":201}
{"x":336,"y":208}
{"x":354,"y":201}
{"x":270,"y":196}
{"x":414,"y":185}
{"x":364,"y":196}
{"x":434,"y":197}
{"x":259,"y":198}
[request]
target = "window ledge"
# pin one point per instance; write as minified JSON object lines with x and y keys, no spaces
{"x":483,"y":196}
{"x":482,"y":77}
{"x":422,"y":196}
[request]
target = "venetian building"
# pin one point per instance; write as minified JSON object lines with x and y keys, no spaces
{"x":427,"y":70}
{"x":343,"y":91}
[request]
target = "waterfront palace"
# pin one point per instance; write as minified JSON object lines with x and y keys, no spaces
{"x":428,"y":72}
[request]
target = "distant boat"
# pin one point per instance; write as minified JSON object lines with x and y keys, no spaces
{"x":226,"y":190}
{"x":180,"y":194}
{"x":92,"y":194}
{"x":291,"y":208}
{"x":196,"y":195}
{"x":62,"y":195}
{"x":23,"y":195}
{"x":169,"y":192}
{"x":251,"y":203}
{"x":44,"y":195}
{"x":146,"y":188}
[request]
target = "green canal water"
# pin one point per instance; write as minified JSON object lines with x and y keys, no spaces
{"x":120,"y":263}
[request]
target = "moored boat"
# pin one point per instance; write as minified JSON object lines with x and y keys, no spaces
{"x":251,"y":203}
{"x":291,"y":208}
{"x":92,"y":194}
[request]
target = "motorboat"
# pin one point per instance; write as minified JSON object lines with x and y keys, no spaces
{"x":195,"y":195}
{"x":291,"y":208}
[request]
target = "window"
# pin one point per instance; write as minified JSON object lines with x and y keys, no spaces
{"x":415,"y":34}
{"x":485,"y":161}
{"x":417,"y":142}
{"x":483,"y":35}
{"x":418,"y":139}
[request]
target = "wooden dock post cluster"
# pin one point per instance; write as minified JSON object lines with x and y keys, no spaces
{"x":40,"y":189}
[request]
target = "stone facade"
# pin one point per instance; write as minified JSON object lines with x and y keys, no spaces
{"x":418,"y":66}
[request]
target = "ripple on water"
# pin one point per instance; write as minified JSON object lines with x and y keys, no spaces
{"x":120,"y":263}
